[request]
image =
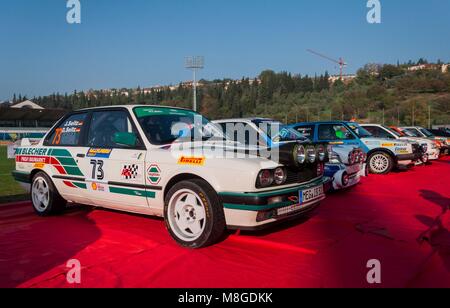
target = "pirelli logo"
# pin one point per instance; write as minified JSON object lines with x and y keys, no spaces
{"x":193,"y":161}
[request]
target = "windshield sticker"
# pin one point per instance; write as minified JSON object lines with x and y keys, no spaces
{"x":156,"y":111}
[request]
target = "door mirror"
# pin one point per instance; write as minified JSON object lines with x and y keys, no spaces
{"x":125,"y":139}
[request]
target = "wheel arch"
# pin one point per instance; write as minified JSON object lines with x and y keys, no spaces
{"x":383,"y":150}
{"x":180,"y":178}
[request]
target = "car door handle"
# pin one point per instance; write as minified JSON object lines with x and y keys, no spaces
{"x":81,"y":155}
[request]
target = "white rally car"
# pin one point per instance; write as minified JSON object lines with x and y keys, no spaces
{"x":429,"y":148}
{"x":346,"y":166}
{"x":149,"y":160}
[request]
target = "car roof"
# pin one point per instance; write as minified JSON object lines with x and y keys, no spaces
{"x":245,"y":120}
{"x":324,"y":122}
{"x":132,"y":107}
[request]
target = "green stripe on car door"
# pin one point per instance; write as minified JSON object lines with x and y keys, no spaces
{"x":59,"y":152}
{"x":132,"y":192}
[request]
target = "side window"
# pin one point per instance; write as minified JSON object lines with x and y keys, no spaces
{"x":105,"y":125}
{"x":381,"y":133}
{"x":69,"y":132}
{"x":307,"y":131}
{"x":334,"y":132}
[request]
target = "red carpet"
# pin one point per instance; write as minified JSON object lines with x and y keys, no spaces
{"x":401,"y":219}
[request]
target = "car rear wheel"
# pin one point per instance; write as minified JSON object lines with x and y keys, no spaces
{"x":44,"y":196}
{"x":380,"y":163}
{"x":425,"y":159}
{"x":193,"y":214}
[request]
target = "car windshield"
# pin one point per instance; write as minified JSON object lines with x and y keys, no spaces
{"x":426,"y":132}
{"x":278,"y":132}
{"x":398,"y":134}
{"x":412,"y":132}
{"x":359,"y":131}
{"x":166,"y":125}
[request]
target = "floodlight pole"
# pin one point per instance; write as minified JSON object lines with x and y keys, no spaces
{"x":195,"y":63}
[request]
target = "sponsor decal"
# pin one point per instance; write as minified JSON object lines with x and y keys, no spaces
{"x":130,"y":172}
{"x":59,"y":158}
{"x":387,"y":145}
{"x":31,"y":151}
{"x":33,"y":159}
{"x":73,"y":123}
{"x":154,"y":174}
{"x":336,"y":142}
{"x":39,"y":165}
{"x":402,"y":150}
{"x":193,"y":161}
{"x":71,"y":130}
{"x":97,"y":187}
{"x":99,"y":153}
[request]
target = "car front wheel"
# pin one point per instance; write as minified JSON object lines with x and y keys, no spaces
{"x":44,"y":196}
{"x":380,"y":163}
{"x":193,"y":214}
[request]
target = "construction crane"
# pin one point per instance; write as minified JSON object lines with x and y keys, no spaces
{"x":341,"y":62}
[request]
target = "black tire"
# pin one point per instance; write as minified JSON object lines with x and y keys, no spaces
{"x":214,"y":222}
{"x":56,"y":203}
{"x":383,"y":157}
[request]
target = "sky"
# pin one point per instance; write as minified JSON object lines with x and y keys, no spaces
{"x":144,"y":42}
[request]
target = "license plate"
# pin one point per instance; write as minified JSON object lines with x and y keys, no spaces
{"x":305,"y":197}
{"x":308,"y":195}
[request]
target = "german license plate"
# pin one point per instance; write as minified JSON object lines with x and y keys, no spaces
{"x":308,"y":195}
{"x":305,"y":197}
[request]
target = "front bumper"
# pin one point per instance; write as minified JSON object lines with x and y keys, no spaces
{"x":409,"y":157}
{"x":256,"y":211}
{"x":337,"y":172}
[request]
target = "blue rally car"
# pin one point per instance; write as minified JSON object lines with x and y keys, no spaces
{"x":383,"y":154}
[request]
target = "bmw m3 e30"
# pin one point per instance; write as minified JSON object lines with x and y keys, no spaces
{"x":145,"y":159}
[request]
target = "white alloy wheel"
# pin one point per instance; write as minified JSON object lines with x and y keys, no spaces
{"x":187,"y":215}
{"x":40,"y":194}
{"x":379,"y":163}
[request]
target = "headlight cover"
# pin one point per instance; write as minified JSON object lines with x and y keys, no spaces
{"x":301,"y":154}
{"x":321,"y":152}
{"x":280,"y":176}
{"x":311,"y":154}
{"x":265,"y":178}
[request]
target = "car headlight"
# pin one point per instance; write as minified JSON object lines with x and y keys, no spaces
{"x":280,"y":176}
{"x":311,"y":154}
{"x":424,"y":148}
{"x":335,"y":158}
{"x":301,"y":154}
{"x":351,"y":158}
{"x":265,"y":178}
{"x":320,"y":169}
{"x":321,"y":152}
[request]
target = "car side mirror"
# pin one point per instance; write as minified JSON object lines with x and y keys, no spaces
{"x":125,"y":139}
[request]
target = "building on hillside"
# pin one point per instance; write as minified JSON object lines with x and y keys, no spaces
{"x":27,"y":120}
{"x":445,"y":68}
{"x":436,"y":67}
{"x":345,"y":78}
{"x":26,"y":105}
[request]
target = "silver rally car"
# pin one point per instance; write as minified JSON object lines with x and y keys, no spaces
{"x":168,"y":162}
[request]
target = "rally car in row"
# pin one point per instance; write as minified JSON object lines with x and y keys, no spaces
{"x":383,"y":154}
{"x":169,"y":162}
{"x":417,"y":131}
{"x":429,"y":148}
{"x":346,"y":164}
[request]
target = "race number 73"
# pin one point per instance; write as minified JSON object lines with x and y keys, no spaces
{"x":97,"y":170}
